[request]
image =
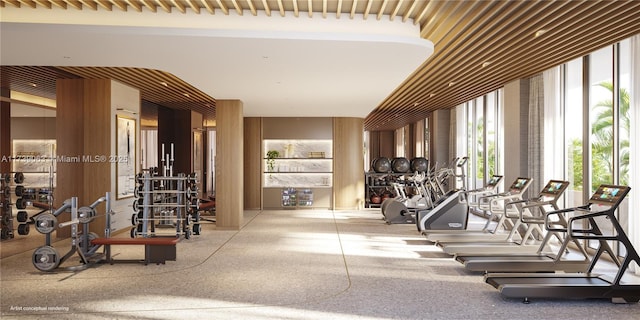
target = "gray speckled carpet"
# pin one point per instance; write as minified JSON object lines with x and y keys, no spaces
{"x":305,"y":264}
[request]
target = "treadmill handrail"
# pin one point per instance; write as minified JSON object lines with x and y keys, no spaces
{"x":548,"y":223}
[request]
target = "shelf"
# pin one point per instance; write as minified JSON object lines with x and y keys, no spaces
{"x":300,"y":158}
{"x":297,"y":172}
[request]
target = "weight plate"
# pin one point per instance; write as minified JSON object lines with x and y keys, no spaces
{"x":18,"y":177}
{"x":136,"y":192}
{"x":195,"y":203}
{"x":45,"y":223}
{"x":6,"y":219}
{"x":196,"y":229}
{"x":7,"y":178}
{"x":46,"y":258}
{"x":91,"y":236}
{"x":22,"y":216}
{"x":19,"y":191}
{"x":139,"y":228}
{"x":86,"y":214}
{"x":21,"y":203}
{"x":23,"y":229}
{"x":7,"y":192}
{"x":5,"y":234}
{"x":134,"y":219}
{"x":6,"y":205}
{"x":134,"y":233}
{"x":135,"y":205}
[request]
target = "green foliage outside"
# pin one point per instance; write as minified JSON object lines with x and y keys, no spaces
{"x":602,"y":143}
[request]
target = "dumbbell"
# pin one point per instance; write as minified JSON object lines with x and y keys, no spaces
{"x":18,"y":177}
{"x":23,"y":229}
{"x":22,"y":203}
{"x":6,"y":233}
{"x":22,"y":216}
{"x":196,"y":229}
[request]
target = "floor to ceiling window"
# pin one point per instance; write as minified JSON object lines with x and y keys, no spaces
{"x":573,"y":132}
{"x":483,"y":137}
{"x":596,"y":97}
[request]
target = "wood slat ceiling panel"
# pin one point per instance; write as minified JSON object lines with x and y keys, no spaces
{"x":155,"y":86}
{"x":465,"y":35}
{"x":575,"y":29}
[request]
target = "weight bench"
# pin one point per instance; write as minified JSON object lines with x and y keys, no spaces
{"x":208,"y":206}
{"x":156,"y":250}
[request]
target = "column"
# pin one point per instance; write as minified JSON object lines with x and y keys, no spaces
{"x":229,"y":164}
{"x":348,"y":163}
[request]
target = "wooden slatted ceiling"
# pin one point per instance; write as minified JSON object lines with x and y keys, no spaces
{"x":504,"y":36}
{"x":155,"y":86}
{"x":466,"y":35}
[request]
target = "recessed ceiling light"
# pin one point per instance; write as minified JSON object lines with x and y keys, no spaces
{"x":451,"y":83}
{"x":415,"y":104}
{"x":32,"y":84}
{"x":486,"y":63}
{"x":164,"y":83}
{"x":186,"y":95}
{"x":431,"y":95}
{"x":540,"y":32}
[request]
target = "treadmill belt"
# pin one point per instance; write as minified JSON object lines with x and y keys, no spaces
{"x":561,"y":281}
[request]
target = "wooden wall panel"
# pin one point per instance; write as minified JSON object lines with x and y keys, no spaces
{"x":253,"y":155}
{"x":96,"y":128}
{"x":440,"y":139}
{"x":182,"y":140}
{"x":387,"y":144}
{"x":348,"y":163}
{"x":229,"y":164}
{"x":5,"y":132}
{"x":70,"y":142}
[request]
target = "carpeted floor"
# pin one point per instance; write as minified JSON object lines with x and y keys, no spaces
{"x":306,"y":264}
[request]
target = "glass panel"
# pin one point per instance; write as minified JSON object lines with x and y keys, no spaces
{"x":573,"y":131}
{"x":601,"y":99}
{"x":471,"y":145}
{"x":624,"y":131}
{"x":491,"y":133}
{"x":211,"y":162}
{"x":149,"y":148}
{"x":427,"y":138}
{"x":601,"y":116}
{"x":479,"y":129}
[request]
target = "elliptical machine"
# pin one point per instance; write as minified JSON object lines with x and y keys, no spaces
{"x":402,"y":208}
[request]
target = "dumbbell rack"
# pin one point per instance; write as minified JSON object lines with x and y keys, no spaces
{"x":6,"y":205}
{"x":165,"y":203}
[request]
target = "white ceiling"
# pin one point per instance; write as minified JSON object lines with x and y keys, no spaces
{"x":296,"y":67}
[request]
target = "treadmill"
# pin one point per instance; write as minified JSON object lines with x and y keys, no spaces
{"x":530,"y":214}
{"x":587,"y":285}
{"x":493,"y":205}
{"x":562,"y":260}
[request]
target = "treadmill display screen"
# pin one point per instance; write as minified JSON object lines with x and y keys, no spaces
{"x":494,"y":181}
{"x":554,"y":187}
{"x":609,"y":194}
{"x":518,"y":185}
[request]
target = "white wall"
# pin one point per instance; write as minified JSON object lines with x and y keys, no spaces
{"x":127,"y":98}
